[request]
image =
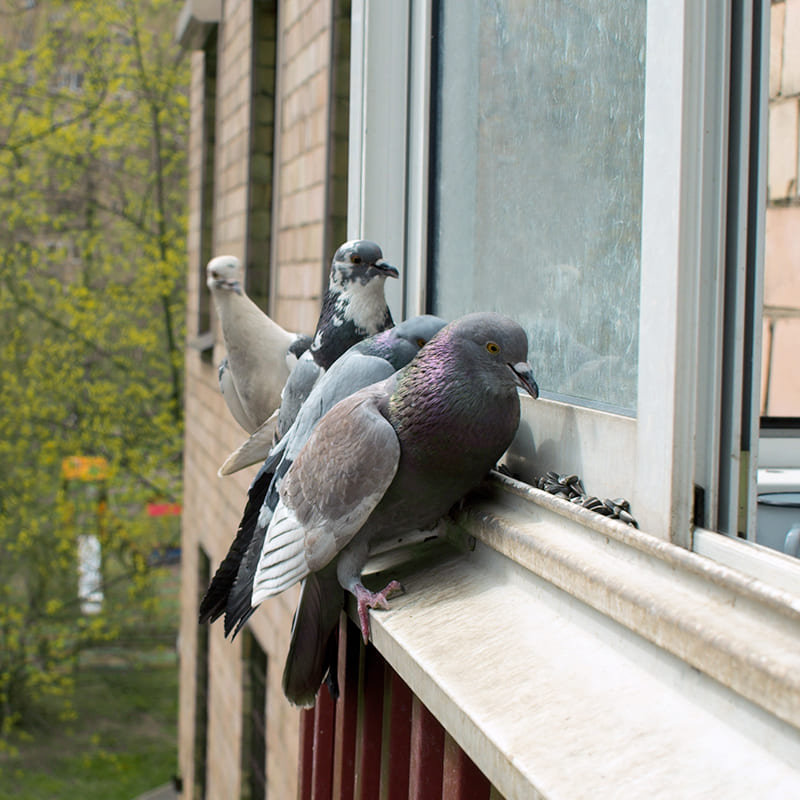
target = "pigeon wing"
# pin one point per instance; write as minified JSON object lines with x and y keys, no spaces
{"x":230,"y":393}
{"x":297,"y":388}
{"x":331,"y":489}
{"x":253,"y":450}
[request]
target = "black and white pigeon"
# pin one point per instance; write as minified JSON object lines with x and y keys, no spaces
{"x":368,"y":361}
{"x":260,"y":353}
{"x":353,"y":308}
{"x":391,"y":458}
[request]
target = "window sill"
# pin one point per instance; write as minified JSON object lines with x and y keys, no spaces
{"x":195,"y":21}
{"x":572,"y":655}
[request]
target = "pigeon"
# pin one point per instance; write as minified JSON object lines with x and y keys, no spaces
{"x":354,"y":307}
{"x":366,"y":362}
{"x":261,"y":353}
{"x":391,"y":458}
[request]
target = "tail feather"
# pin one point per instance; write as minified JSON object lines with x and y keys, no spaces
{"x":216,"y":597}
{"x":310,"y":656}
{"x":238,"y":606}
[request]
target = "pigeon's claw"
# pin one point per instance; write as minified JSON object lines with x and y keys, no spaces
{"x":367,"y":599}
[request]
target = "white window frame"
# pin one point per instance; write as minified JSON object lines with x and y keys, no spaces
{"x":676,"y":439}
{"x":709,"y":644}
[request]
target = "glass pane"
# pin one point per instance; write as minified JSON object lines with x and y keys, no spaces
{"x":537,"y":181}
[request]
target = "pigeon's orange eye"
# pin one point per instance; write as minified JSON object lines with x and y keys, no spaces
{"x":492,"y":347}
{"x":356,"y":259}
{"x":421,"y":342}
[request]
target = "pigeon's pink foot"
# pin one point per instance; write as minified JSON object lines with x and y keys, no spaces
{"x":367,"y":599}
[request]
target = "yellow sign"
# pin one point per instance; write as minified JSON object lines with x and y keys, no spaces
{"x":84,"y":468}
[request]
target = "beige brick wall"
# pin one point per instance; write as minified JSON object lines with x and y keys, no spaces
{"x":784,"y":101}
{"x":780,"y":384}
{"x":233,"y":128}
{"x":292,"y":235}
{"x":781,"y":373}
{"x":302,"y":161}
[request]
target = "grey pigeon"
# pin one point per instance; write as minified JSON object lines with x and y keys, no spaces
{"x":370,"y":360}
{"x":260,"y":353}
{"x":391,"y":458}
{"x":354,"y":307}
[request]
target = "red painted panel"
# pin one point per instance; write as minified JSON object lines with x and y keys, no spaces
{"x":399,"y":756}
{"x":370,"y":726}
{"x":306,"y":764}
{"x":462,"y":780}
{"x":324,"y":721}
{"x":427,"y":753}
{"x":341,"y":749}
{"x":344,"y":758}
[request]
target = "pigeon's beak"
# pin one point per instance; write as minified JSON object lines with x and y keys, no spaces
{"x":231,"y":286}
{"x":523,"y":375}
{"x":386,"y":268}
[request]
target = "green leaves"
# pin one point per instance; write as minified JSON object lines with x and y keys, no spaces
{"x":93,"y":122}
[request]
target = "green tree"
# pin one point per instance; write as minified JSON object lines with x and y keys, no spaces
{"x":93,"y":120}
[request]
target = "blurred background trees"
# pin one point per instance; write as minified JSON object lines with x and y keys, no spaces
{"x":93,"y":120}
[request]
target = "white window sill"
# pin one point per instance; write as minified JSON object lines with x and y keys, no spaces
{"x":572,"y":656}
{"x":195,"y":21}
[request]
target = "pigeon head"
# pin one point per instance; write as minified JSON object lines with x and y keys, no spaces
{"x":225,"y":273}
{"x":418,"y":331}
{"x":400,"y":344}
{"x":354,"y":305}
{"x":360,"y":262}
{"x":495,"y":346}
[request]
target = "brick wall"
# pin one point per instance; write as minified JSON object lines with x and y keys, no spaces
{"x":302,"y":159}
{"x":780,"y":394}
{"x":258,"y":141}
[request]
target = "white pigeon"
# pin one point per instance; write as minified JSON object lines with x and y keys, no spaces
{"x":353,"y":308}
{"x":261,"y":354}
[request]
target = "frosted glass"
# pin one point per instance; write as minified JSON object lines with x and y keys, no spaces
{"x":537,"y":181}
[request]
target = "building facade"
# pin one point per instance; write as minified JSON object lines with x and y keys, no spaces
{"x":268,"y":184}
{"x":599,"y":172}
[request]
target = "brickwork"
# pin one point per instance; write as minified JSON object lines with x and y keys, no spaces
{"x":233,"y":128}
{"x":338,"y":131}
{"x":302,"y":160}
{"x":780,"y":385}
{"x":288,"y":241}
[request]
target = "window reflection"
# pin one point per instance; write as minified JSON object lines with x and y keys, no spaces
{"x":537,"y":181}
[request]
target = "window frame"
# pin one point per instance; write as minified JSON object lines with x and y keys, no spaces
{"x":677,"y":439}
{"x":698,"y":622}
{"x":255,"y":671}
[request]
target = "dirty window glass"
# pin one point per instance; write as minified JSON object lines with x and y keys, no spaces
{"x":536,"y":169}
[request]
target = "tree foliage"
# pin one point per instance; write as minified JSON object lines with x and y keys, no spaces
{"x":93,"y":119}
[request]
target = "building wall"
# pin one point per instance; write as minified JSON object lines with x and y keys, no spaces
{"x":780,"y":394}
{"x":271,"y":207}
{"x":302,"y":155}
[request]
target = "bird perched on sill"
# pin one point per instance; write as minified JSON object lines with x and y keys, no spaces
{"x":260,"y":353}
{"x":354,"y":307}
{"x":365,"y":363}
{"x":391,"y":458}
